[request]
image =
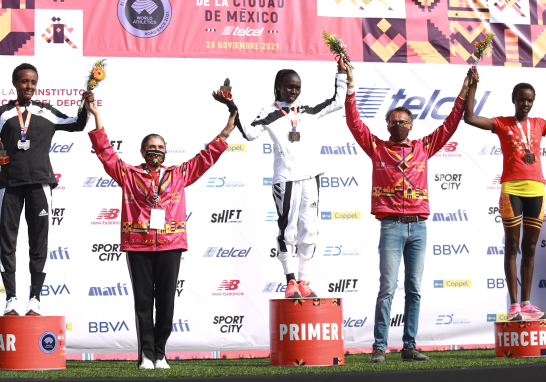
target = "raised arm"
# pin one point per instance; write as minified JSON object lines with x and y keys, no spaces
{"x":77,"y":123}
{"x":469,"y":117}
{"x":249,"y":132}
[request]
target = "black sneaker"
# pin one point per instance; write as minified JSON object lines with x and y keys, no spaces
{"x":378,"y":356}
{"x":410,"y":354}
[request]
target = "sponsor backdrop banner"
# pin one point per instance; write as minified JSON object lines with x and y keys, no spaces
{"x":231,"y":271}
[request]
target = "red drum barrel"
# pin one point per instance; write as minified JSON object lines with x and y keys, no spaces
{"x":32,"y":343}
{"x":515,"y":339}
{"x":306,"y":332}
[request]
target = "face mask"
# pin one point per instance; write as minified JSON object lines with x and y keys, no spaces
{"x":155,"y":157}
{"x":399,"y":133}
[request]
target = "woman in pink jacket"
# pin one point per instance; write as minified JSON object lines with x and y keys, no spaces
{"x":153,"y":228}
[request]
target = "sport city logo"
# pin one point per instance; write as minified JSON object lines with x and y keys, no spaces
{"x":222,"y":182}
{"x":57,"y":216}
{"x":340,"y":215}
{"x":447,"y":319}
{"x":107,"y":215}
{"x":107,"y":252}
{"x":100,"y":182}
{"x":230,"y":286}
{"x":340,"y":251}
{"x":229,"y":324}
{"x":48,"y":342}
{"x":449,"y":249}
{"x":369,"y":101}
{"x":59,"y":254}
{"x":452,"y":283}
{"x":495,"y":211}
{"x":449,"y":181}
{"x":448,"y":151}
{"x":497,"y":317}
{"x":144,"y":18}
{"x":109,"y":291}
{"x":221,"y":252}
{"x":450,"y":217}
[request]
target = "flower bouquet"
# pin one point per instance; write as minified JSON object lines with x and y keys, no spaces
{"x":96,"y":75}
{"x":483,"y":48}
{"x":336,"y":45}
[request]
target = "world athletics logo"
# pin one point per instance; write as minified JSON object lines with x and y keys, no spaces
{"x":144,"y":18}
{"x":48,"y":342}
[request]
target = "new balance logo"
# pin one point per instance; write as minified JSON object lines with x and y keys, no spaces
{"x":43,"y":213}
{"x":313,"y":205}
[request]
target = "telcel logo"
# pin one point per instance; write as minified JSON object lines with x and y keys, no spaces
{"x":103,"y":183}
{"x":452,"y":283}
{"x":226,"y":252}
{"x":236,"y":31}
{"x":340,"y":215}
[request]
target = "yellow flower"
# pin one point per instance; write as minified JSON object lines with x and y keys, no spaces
{"x":92,"y":83}
{"x":99,"y":74}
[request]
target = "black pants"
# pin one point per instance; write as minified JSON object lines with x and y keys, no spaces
{"x":154,"y":276}
{"x":37,"y":201}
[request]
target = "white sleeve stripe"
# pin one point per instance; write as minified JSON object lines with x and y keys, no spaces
{"x":55,"y":119}
{"x":5,"y":116}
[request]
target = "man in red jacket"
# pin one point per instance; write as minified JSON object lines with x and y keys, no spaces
{"x":400,"y":203}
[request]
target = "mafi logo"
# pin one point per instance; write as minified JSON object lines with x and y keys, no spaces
{"x":448,"y":151}
{"x":335,"y":182}
{"x":60,"y":149}
{"x":48,"y":290}
{"x":449,"y":249}
{"x":354,"y":323}
{"x":107,"y":252}
{"x":59,"y":254}
{"x":450,"y":217}
{"x":229,"y":285}
{"x":144,"y":18}
{"x":102,"y":183}
{"x":340,"y":215}
{"x":236,"y":31}
{"x":447,"y":319}
{"x":227,"y":216}
{"x":229,"y":324}
{"x":340,"y":251}
{"x":348,"y":149}
{"x":452,"y":283}
{"x":222,"y":182}
{"x":492,"y":250}
{"x":271,"y":217}
{"x":221,"y":252}
{"x":397,"y":320}
{"x":268,"y":181}
{"x":116,"y":145}
{"x":107,"y":214}
{"x":495,"y":211}
{"x":180,"y":326}
{"x":274,"y":287}
{"x":497,"y":317}
{"x":495,"y":183}
{"x":369,"y":100}
{"x":449,"y":181}
{"x":105,"y":327}
{"x":490,"y":150}
{"x":343,"y":285}
{"x":109,"y":291}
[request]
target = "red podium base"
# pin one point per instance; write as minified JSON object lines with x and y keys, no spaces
{"x":306,"y":332}
{"x":32,"y":343}
{"x":514,"y":339}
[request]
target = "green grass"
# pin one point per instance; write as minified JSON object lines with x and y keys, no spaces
{"x":260,"y":366}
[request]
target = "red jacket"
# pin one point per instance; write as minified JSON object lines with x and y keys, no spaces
{"x":399,"y":182}
{"x":137,"y":201}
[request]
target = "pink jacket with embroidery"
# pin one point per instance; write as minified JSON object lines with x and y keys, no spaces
{"x":136,"y":234}
{"x":399,"y":180}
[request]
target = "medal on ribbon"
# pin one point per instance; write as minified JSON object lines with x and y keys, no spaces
{"x":23,"y":144}
{"x":528,"y":157}
{"x":293,"y":136}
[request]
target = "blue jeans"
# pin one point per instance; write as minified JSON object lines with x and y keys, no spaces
{"x":408,"y":240}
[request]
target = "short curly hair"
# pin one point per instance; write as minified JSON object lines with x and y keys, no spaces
{"x":522,"y":86}
{"x":15,"y":74}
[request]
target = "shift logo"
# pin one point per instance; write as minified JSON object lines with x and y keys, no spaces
{"x":343,"y":285}
{"x":229,"y":324}
{"x":181,"y":326}
{"x":449,"y":181}
{"x":48,"y":290}
{"x":448,"y":150}
{"x":59,"y":254}
{"x":495,"y":183}
{"x":107,"y":252}
{"x":274,"y":287}
{"x":490,"y":150}
{"x":447,"y":319}
{"x":99,"y":182}
{"x":337,"y":182}
{"x":227,"y":216}
{"x":144,"y":18}
{"x":348,"y":149}
{"x":222,"y":182}
{"x":340,"y":215}
{"x":229,"y":285}
{"x":397,"y":320}
{"x":117,"y":290}
{"x":116,"y":145}
{"x":495,"y":211}
{"x":105,"y":327}
{"x":449,"y":249}
{"x":450,"y":217}
{"x":492,"y":250}
{"x":236,"y":31}
{"x":340,"y":251}
{"x":57,"y":216}
{"x":452,"y":283}
{"x":221,"y":252}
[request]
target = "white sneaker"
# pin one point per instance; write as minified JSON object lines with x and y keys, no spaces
{"x":162,"y":364}
{"x":12,"y":308}
{"x":146,"y":362}
{"x":33,"y":307}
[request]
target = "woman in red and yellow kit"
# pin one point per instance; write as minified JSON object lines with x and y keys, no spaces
{"x":522,"y":193}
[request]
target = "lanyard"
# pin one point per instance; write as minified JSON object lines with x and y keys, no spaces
{"x":24,"y":126}
{"x":154,"y":188}
{"x":293,"y":122}
{"x":528,"y":145}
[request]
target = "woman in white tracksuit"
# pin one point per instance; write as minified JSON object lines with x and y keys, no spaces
{"x":296,"y":178}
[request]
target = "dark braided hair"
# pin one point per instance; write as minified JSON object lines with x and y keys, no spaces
{"x":148,"y":137}
{"x":278,"y":79}
{"x":521,"y":86}
{"x":15,"y":74}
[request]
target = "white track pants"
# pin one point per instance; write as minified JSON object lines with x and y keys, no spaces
{"x":297,"y":207}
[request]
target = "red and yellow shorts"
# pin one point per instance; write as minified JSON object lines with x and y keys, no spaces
{"x":514,"y":209}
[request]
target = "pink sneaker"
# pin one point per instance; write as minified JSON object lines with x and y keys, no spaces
{"x":292,"y":290}
{"x":531,"y":312}
{"x":514,"y":313}
{"x":305,"y":290}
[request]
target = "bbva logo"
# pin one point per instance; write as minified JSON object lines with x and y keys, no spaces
{"x":105,"y":327}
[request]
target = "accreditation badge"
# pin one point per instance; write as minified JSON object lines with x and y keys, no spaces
{"x":157,"y":219}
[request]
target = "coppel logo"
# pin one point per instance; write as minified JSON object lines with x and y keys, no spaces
{"x":452,"y":283}
{"x":438,"y":283}
{"x":491,"y":318}
{"x":340,"y":215}
{"x":268,"y":181}
{"x":238,"y":148}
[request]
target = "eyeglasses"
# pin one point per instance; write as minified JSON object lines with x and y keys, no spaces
{"x":394,"y":123}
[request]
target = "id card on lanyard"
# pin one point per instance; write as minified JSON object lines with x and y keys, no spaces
{"x":23,"y":143}
{"x":157,"y":215}
{"x":529,"y":157}
{"x":293,"y":136}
